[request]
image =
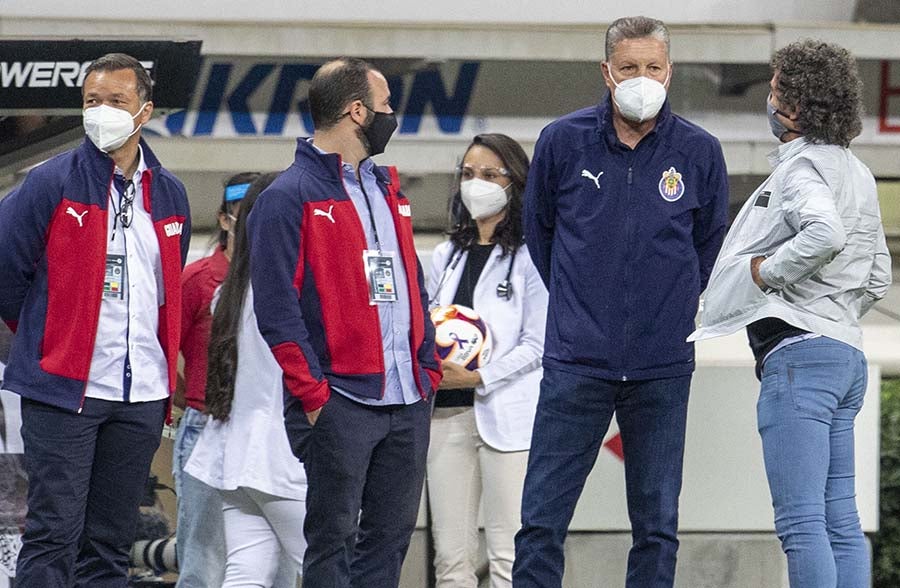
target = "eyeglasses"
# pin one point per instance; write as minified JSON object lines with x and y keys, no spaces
{"x":126,"y":212}
{"x":491,"y":174}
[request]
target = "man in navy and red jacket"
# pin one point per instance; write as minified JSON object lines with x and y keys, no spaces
{"x":91,"y":250}
{"x":339,"y":297}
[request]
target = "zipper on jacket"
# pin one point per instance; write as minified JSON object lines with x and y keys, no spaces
{"x":628,"y":237}
{"x":393,"y":199}
{"x":99,"y":304}
{"x":83,"y":395}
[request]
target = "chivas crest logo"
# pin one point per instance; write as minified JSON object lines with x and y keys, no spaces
{"x":671,"y":186}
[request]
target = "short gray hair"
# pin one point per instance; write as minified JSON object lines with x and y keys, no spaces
{"x":635,"y":27}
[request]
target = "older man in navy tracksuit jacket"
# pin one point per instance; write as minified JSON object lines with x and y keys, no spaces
{"x":624,"y":216}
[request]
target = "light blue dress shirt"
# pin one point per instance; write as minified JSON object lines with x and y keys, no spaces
{"x":400,"y":383}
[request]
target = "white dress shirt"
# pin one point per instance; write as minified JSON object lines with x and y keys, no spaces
{"x":128,"y":364}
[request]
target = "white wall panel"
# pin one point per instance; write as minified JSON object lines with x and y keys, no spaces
{"x":416,"y":11}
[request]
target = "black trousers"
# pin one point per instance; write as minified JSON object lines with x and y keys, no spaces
{"x":86,"y":475}
{"x":365,"y":468}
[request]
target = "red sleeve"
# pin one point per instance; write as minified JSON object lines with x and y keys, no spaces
{"x":191,"y":303}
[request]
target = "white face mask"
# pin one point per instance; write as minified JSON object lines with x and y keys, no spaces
{"x":108,"y":128}
{"x":482,"y":198}
{"x":639,"y":99}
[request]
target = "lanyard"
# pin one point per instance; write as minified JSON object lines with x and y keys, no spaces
{"x":371,"y":215}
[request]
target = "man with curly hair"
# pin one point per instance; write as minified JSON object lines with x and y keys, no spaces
{"x":805,"y":259}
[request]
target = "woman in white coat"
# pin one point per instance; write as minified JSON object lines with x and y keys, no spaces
{"x":481,"y":429}
{"x":243,"y":450}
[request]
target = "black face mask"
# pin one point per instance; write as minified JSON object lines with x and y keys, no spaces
{"x":378,"y":132}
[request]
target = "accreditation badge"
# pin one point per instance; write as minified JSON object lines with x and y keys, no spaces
{"x":379,"y":267}
{"x":114,"y":278}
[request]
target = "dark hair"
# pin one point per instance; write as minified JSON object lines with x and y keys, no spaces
{"x":117,"y":61}
{"x":222,"y":355}
{"x":228,"y":207}
{"x":463,"y":231}
{"x":820,"y":81}
{"x":335,"y":85}
{"x":635,"y":27}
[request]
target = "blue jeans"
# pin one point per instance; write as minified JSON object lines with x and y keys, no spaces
{"x":200,"y":534}
{"x":573,"y":415}
{"x":87,"y":474}
{"x":810,"y":394}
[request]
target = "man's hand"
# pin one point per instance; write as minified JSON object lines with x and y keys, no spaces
{"x":456,"y":376}
{"x":754,"y":271}
{"x":313,"y":416}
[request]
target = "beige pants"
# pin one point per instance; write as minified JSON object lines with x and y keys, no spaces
{"x":462,"y":472}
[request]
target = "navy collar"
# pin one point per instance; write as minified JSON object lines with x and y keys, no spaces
{"x":102,"y":166}
{"x":330,"y":165}
{"x":608,"y":131}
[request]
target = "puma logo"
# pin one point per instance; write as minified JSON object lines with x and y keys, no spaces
{"x":79,"y":217}
{"x":319,"y":212}
{"x":596,"y":179}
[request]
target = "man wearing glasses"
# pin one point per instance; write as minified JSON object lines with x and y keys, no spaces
{"x":91,"y":250}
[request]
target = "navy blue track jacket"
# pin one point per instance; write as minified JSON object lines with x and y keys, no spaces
{"x":625,"y":240}
{"x":53,"y":240}
{"x":311,"y":295}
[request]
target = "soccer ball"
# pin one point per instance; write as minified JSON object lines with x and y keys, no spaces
{"x":461,"y":336}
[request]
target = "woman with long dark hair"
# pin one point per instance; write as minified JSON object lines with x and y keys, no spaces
{"x":200,"y":535}
{"x":244,"y":449}
{"x":481,"y":429}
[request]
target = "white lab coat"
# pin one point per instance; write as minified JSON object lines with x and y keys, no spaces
{"x":505,"y":403}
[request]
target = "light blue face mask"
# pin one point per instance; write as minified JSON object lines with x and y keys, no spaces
{"x":778,"y":128}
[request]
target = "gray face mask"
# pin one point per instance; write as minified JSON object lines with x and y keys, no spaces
{"x":778,"y":128}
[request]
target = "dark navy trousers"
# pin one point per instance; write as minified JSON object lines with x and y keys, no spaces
{"x":365,"y":468}
{"x":87,"y":474}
